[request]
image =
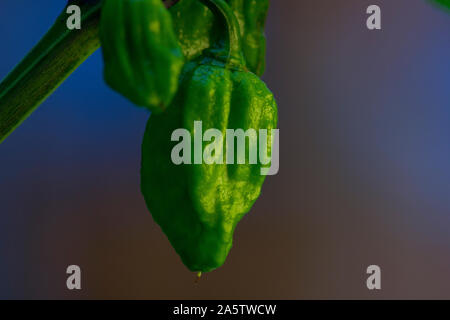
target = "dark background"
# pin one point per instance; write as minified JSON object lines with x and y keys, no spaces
{"x":364,"y":168}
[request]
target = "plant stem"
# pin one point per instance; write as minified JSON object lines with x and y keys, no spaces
{"x":48,"y":64}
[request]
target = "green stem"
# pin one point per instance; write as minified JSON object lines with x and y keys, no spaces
{"x":222,"y":10}
{"x":48,"y":64}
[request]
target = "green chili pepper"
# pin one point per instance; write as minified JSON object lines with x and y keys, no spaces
{"x":197,"y":29}
{"x":199,"y":205}
{"x":142,"y":57}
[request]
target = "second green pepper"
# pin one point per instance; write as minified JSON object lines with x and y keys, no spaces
{"x":142,"y":56}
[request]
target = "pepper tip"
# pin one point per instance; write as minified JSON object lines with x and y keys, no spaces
{"x":198,"y":276}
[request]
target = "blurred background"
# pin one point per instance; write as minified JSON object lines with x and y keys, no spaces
{"x":364,"y":169}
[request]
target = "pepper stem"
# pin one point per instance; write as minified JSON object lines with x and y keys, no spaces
{"x":222,"y":10}
{"x":56,"y":56}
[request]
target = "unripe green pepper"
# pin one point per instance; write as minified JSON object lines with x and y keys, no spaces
{"x":196,"y":29}
{"x":142,"y":57}
{"x":198,"y":203}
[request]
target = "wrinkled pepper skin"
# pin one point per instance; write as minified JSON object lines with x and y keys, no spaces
{"x":199,"y":205}
{"x":142,"y":57}
{"x":196,"y":29}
